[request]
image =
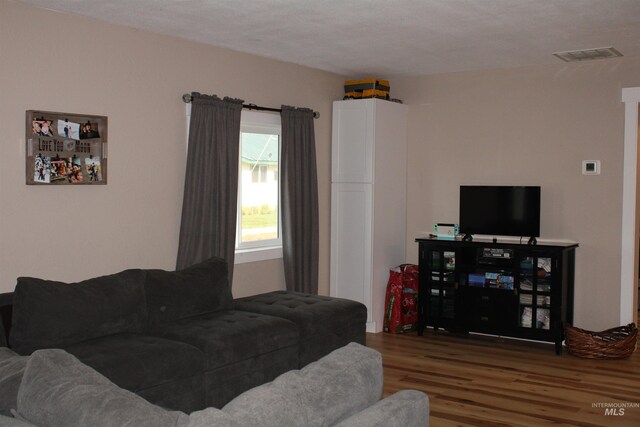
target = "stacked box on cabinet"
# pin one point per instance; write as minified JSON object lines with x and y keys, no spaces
{"x":366,"y":88}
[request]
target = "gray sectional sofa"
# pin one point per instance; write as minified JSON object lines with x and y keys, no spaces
{"x":178,"y":339}
{"x":341,"y":389}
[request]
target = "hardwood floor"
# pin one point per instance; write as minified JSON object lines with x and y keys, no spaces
{"x":488,"y":381}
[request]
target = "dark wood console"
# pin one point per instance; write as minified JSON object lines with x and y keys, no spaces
{"x":507,"y":289}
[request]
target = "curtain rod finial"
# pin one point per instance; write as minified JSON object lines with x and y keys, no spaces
{"x":187,"y":97}
{"x":316,"y":114}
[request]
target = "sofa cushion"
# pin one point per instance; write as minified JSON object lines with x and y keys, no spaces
{"x":325,"y":323}
{"x":57,"y":389}
{"x":340,"y":384}
{"x":201,"y":288}
{"x":136,"y":362}
{"x":53,"y":314}
{"x":229,"y":337}
{"x":11,"y":370}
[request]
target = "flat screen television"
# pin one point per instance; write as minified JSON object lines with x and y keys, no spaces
{"x":500,"y":210}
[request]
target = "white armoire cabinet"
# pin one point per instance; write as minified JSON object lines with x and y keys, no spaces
{"x":368,"y":200}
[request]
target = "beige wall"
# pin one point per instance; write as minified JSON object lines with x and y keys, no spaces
{"x":524,"y":126}
{"x":58,"y":62}
{"x":528,"y":126}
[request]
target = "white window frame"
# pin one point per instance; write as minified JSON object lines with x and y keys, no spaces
{"x":269,"y":123}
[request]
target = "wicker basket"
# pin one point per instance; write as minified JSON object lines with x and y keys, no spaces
{"x":614,"y":343}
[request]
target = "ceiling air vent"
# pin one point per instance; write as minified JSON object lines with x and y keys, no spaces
{"x":588,"y":54}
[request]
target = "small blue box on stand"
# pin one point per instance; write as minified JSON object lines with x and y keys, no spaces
{"x":446,"y":231}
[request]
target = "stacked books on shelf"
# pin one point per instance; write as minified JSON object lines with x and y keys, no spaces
{"x":543,"y":318}
{"x":544,"y":287}
{"x":526,"y":285}
{"x":545,"y":264}
{"x":447,"y":276}
{"x":541,"y":300}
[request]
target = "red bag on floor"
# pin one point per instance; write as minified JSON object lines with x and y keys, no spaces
{"x":401,"y":301}
{"x":410,"y":297}
{"x":393,"y":302}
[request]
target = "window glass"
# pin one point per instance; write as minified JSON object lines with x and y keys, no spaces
{"x":258,"y":188}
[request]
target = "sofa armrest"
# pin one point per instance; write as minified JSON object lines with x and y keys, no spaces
{"x":11,"y":371}
{"x":406,"y":408}
{"x":59,"y":390}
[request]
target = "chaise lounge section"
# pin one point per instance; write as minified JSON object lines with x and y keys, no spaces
{"x":323,"y":322}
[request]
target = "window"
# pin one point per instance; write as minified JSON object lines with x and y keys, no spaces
{"x":258,"y":225}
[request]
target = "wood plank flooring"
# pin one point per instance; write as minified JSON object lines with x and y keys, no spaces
{"x":476,"y":380}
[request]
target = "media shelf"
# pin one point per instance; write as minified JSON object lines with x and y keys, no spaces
{"x":506,"y":289}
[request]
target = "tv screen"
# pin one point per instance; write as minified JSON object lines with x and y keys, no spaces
{"x":500,"y":210}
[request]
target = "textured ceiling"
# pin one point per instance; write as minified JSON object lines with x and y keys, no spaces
{"x":384,"y":38}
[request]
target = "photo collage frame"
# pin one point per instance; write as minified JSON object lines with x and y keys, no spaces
{"x":65,"y":148}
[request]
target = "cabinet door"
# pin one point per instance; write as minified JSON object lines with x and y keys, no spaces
{"x":352,"y":141}
{"x":441,"y":298}
{"x":489,"y":310}
{"x":351,"y":252}
{"x":537,"y":292}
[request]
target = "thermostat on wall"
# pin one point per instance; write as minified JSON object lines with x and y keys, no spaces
{"x":591,"y":167}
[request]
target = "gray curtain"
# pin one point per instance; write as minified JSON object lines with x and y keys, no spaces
{"x":208,"y":226}
{"x":299,"y":193}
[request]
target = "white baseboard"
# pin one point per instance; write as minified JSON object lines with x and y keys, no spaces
{"x":371,"y":327}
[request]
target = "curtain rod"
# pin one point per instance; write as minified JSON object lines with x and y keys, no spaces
{"x":187,"y":99}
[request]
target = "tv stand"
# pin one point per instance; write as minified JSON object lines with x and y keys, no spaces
{"x":467,"y":238}
{"x":506,"y":289}
{"x":532,"y":241}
